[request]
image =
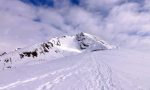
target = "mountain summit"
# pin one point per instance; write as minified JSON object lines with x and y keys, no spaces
{"x":55,"y":48}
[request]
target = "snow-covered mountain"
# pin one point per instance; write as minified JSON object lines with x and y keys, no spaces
{"x":70,"y":63}
{"x":54,"y":48}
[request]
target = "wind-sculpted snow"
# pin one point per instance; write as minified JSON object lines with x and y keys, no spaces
{"x":54,"y":48}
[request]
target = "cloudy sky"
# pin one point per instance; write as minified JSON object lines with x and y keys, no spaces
{"x":125,"y":23}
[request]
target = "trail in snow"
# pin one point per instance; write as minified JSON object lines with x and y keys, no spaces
{"x":90,"y":71}
{"x":86,"y":74}
{"x":92,"y":78}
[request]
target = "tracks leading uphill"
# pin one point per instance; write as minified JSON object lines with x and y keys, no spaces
{"x":86,"y":73}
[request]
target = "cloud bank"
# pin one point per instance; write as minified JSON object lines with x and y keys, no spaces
{"x":125,"y":23}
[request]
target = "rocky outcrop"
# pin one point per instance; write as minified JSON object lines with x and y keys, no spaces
{"x":57,"y":47}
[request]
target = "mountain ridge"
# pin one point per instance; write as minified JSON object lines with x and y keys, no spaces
{"x":54,"y":48}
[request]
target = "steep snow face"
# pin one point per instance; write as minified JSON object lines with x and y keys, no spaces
{"x":55,"y":48}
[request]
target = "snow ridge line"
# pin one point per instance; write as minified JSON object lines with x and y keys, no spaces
{"x":79,"y":43}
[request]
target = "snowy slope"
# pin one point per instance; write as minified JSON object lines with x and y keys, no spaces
{"x":79,"y":62}
{"x":54,"y":48}
{"x":101,"y":70}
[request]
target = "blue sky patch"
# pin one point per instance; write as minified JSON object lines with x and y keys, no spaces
{"x":75,"y":2}
{"x":47,"y":3}
{"x":40,"y":3}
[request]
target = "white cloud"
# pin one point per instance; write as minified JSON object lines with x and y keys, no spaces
{"x":97,"y":4}
{"x":17,"y":26}
{"x":126,"y":24}
{"x":129,"y":27}
{"x":147,"y":4}
{"x":83,"y":20}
